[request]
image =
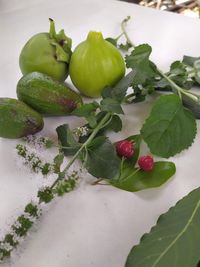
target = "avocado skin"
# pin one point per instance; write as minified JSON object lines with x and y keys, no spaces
{"x":46,"y":95}
{"x":17,"y":119}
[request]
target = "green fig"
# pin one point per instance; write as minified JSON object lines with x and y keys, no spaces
{"x":48,"y":53}
{"x":95,"y":64}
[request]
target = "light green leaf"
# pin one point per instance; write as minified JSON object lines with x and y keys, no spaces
{"x":170,"y":128}
{"x":174,"y":241}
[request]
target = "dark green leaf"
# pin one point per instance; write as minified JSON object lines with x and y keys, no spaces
{"x":139,"y":61}
{"x":125,"y":46}
{"x":136,"y":139}
{"x":86,"y":110}
{"x":197,"y":70}
{"x":179,"y":74}
{"x":111,"y":105}
{"x":102,"y":160}
{"x":174,"y":241}
{"x":97,"y":141}
{"x":115,"y":124}
{"x":192,"y":105}
{"x":132,"y":179}
{"x":112,"y":41}
{"x":67,"y":140}
{"x":190,"y":60}
{"x":92,"y":121}
{"x":118,"y":92}
{"x":170,"y":128}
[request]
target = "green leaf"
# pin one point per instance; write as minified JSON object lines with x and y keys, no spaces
{"x":136,"y":139}
{"x":58,"y":160}
{"x":86,"y":110}
{"x":114,"y":125}
{"x":118,"y":92}
{"x":133,"y":179}
{"x":174,"y":241}
{"x":170,"y":128}
{"x":67,"y":140}
{"x":125,"y":46}
{"x":197,"y":70}
{"x":192,"y":105}
{"x":111,"y":105}
{"x":139,"y":61}
{"x":190,"y":60}
{"x":179,"y":74}
{"x":102,"y":160}
{"x":112,"y":41}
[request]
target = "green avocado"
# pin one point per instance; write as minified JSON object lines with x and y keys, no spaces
{"x":17,"y":119}
{"x":46,"y":95}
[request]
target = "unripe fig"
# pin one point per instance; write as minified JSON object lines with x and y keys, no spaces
{"x":95,"y":64}
{"x":48,"y":53}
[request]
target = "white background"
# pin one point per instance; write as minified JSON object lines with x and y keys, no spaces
{"x":94,"y":225}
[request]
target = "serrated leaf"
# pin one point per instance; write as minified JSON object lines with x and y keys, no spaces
{"x":102,"y":160}
{"x":69,"y":145}
{"x":139,"y":61}
{"x":174,"y":241}
{"x":170,"y":128}
{"x":132,"y":179}
{"x":111,"y":105}
{"x":118,"y":92}
{"x":86,"y":110}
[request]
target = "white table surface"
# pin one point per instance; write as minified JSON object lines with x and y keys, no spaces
{"x":94,"y":225}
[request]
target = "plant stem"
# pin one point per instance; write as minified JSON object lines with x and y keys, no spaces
{"x":123,"y":27}
{"x":91,"y":137}
{"x":193,"y":96}
{"x":178,"y":89}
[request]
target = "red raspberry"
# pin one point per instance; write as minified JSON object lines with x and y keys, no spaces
{"x":146,"y":163}
{"x":125,"y":148}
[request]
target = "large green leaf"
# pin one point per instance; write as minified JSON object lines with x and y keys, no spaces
{"x":133,"y":179}
{"x":170,"y":127}
{"x":101,"y":160}
{"x":174,"y":241}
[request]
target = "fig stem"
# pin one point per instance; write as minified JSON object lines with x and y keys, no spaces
{"x":52,"y":31}
{"x":123,"y":27}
